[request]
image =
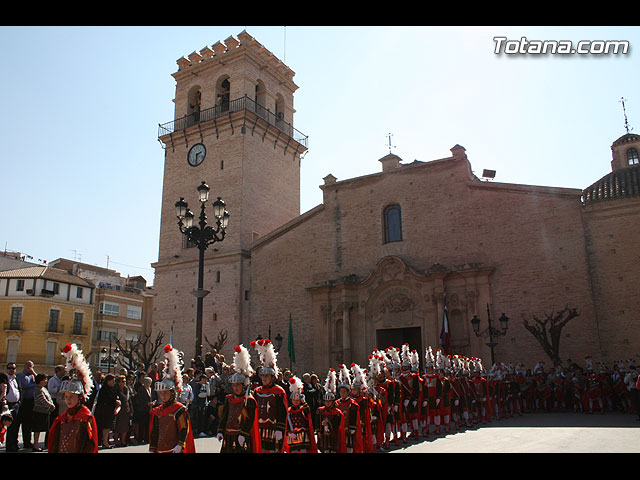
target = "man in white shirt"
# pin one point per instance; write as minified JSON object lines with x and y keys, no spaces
{"x":13,"y":398}
{"x":54,"y":385}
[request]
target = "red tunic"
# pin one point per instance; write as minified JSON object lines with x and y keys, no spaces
{"x":300,"y":423}
{"x":74,"y":431}
{"x":352,"y":427}
{"x":272,"y":415}
{"x":170,"y":426}
{"x":331,"y":435}
{"x":239,"y":417}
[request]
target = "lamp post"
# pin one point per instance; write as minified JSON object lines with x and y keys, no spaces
{"x":490,"y":331}
{"x":106,"y":355}
{"x":278,"y":342}
{"x":202,"y":235}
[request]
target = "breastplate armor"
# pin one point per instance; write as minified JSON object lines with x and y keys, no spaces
{"x":71,"y":438}
{"x":168,"y":433}
{"x":234,"y":417}
{"x":267,"y":408}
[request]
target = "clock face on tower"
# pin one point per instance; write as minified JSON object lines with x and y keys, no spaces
{"x":196,"y":154}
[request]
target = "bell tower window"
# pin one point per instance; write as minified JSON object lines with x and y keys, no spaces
{"x":223,"y":94}
{"x":632,"y":156}
{"x":193,"y":108}
{"x":260,"y":99}
{"x":279,"y":108}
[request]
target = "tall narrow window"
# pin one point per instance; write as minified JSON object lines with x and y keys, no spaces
{"x":77,"y":323}
{"x":224,"y":95}
{"x":16,"y":318}
{"x":195,"y":99}
{"x":392,"y":224}
{"x":632,"y":156}
{"x":260,"y":99}
{"x":54,"y":315}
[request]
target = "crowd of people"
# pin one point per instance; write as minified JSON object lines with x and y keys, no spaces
{"x":395,"y":398}
{"x":392,"y":400}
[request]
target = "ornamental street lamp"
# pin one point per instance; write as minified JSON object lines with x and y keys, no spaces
{"x":202,"y":235}
{"x":107,"y":355}
{"x":490,"y":331}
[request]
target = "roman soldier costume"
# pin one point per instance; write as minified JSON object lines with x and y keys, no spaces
{"x":480,"y":392}
{"x":430,"y":397}
{"x":620,"y":387}
{"x":330,"y":420}
{"x":409,"y":393}
{"x":593,"y":387}
{"x":542,"y":389}
{"x":351,"y":411}
{"x":377,"y":397}
{"x":272,"y":401}
{"x":169,"y":425}
{"x":75,"y":430}
{"x":467,"y":392}
{"x":392,"y":386}
{"x":300,"y":431}
{"x":238,"y":426}
{"x":358,"y":387}
{"x":458,"y":400}
{"x":446,"y":392}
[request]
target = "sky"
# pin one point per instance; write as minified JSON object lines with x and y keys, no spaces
{"x":81,"y":168}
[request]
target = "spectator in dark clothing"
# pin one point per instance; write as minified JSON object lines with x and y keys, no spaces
{"x":143,"y":401}
{"x":27,"y":379}
{"x":107,"y":401}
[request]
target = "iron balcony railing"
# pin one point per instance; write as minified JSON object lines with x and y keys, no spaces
{"x":226,"y":108}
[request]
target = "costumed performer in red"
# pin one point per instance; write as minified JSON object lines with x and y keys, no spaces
{"x":238,"y":427}
{"x":300,"y":431}
{"x":272,"y":400}
{"x":170,"y":426}
{"x":330,"y":420}
{"x":75,"y":430}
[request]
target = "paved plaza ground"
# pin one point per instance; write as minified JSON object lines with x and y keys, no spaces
{"x":530,"y":433}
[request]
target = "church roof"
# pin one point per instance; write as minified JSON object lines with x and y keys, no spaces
{"x":621,"y":183}
{"x":627,"y":137}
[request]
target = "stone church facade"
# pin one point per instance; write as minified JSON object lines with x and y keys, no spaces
{"x":371,"y":265}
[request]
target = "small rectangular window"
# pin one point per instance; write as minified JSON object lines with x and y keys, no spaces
{"x":134,"y":312}
{"x":20,"y":286}
{"x":112,"y":309}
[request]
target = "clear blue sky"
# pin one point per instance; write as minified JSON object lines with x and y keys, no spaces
{"x":81,"y":166}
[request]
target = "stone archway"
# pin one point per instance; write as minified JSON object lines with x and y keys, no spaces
{"x":393,"y":303}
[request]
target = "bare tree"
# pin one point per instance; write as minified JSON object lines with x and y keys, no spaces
{"x":548,"y":330}
{"x":143,"y":350}
{"x":223,"y":335}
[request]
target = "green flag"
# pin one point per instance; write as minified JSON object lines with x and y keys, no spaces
{"x":290,"y":346}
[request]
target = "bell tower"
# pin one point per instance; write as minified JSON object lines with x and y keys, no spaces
{"x":233,"y":129}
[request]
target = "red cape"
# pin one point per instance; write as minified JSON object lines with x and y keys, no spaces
{"x":313,"y":448}
{"x":349,"y":402}
{"x":334,"y":410}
